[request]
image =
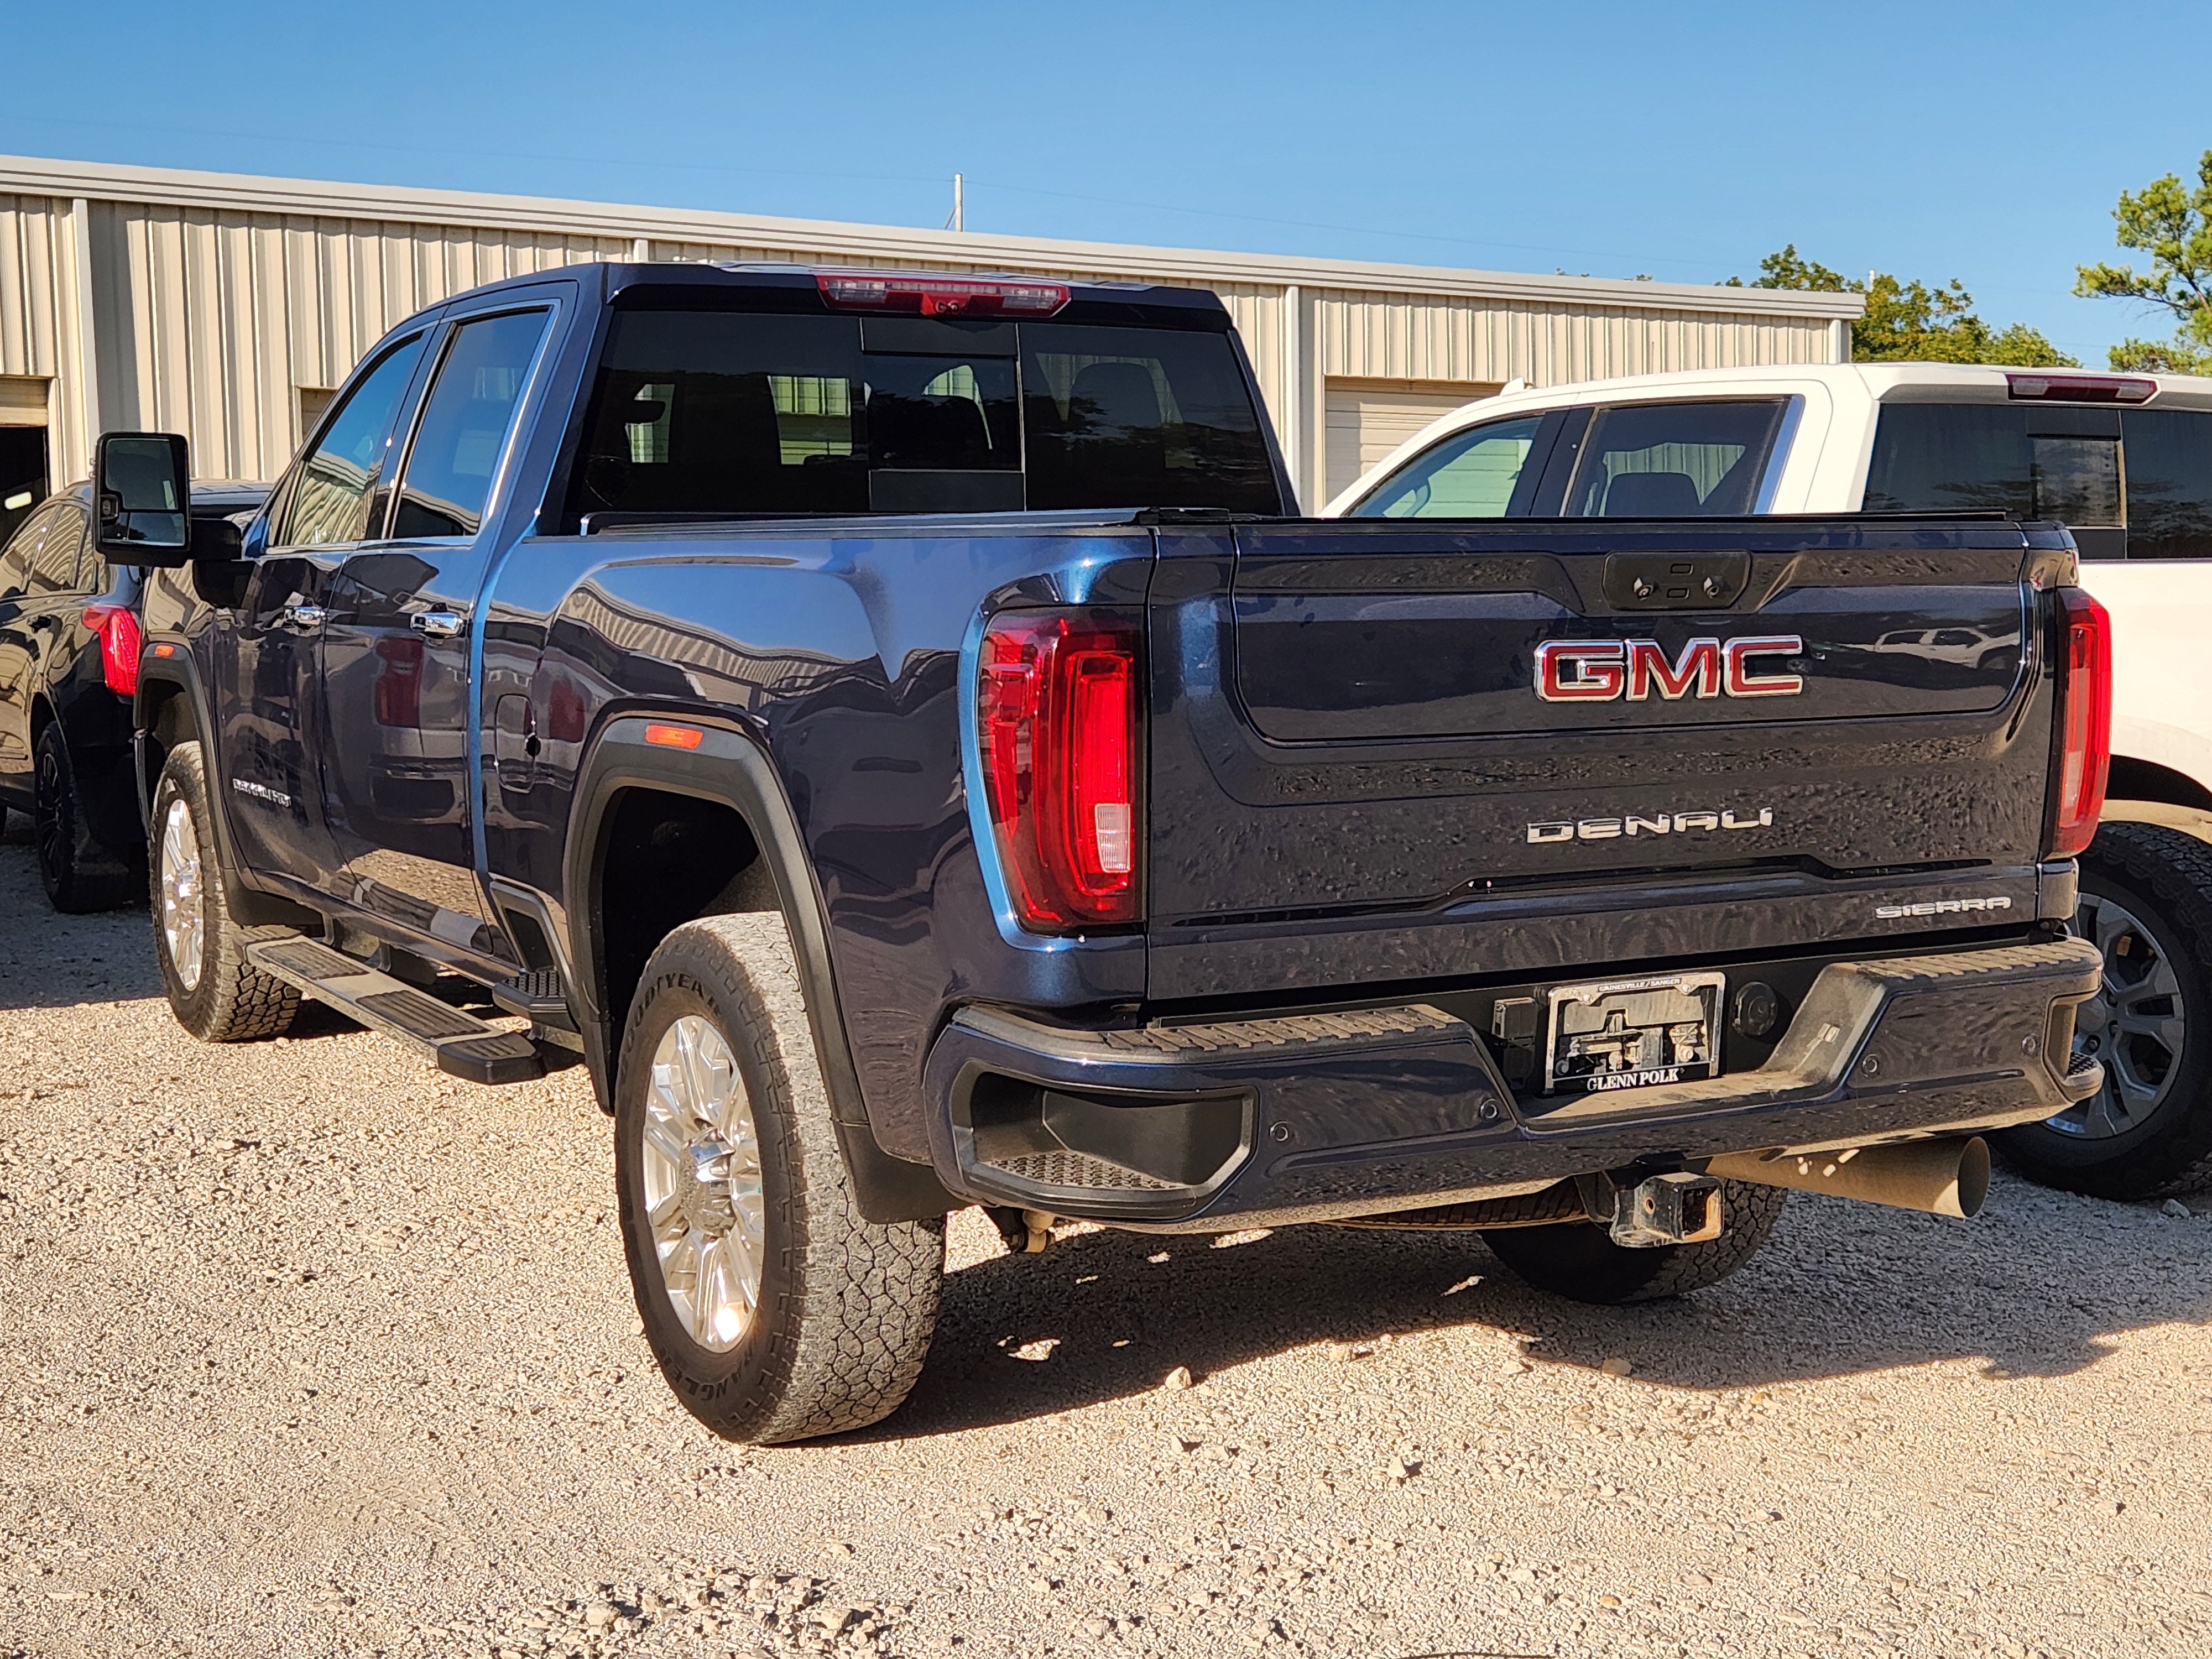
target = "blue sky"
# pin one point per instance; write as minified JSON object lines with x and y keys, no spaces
{"x":1979,"y":141}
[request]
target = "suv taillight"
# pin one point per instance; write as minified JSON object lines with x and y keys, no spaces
{"x":120,"y":642}
{"x":2085,"y":722}
{"x":1059,"y":712}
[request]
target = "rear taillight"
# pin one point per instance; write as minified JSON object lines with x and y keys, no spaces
{"x":2085,"y":722}
{"x":1059,"y":714}
{"x":120,"y":642}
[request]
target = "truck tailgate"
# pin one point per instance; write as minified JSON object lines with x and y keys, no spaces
{"x":1384,"y":752}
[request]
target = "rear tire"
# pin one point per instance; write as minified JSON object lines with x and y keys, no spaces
{"x":216,"y":993}
{"x":1577,"y":1258}
{"x":2147,"y":904}
{"x":79,"y":874}
{"x":775,"y":1310}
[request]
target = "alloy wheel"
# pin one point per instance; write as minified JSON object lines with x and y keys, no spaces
{"x":703,"y":1202}
{"x":184,"y":899}
{"x":2134,"y":1025}
{"x":50,"y":828}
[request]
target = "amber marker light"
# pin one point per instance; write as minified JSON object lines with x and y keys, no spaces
{"x":674,"y":736}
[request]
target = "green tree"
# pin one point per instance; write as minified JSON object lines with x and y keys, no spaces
{"x":1910,"y":322}
{"x":2172,"y":223}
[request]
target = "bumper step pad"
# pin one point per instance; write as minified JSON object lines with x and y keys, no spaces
{"x":452,"y":1039}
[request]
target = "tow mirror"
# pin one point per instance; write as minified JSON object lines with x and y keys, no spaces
{"x":141,"y":494}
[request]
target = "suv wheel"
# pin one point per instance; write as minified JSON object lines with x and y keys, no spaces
{"x":2147,"y":905}
{"x":1578,"y":1260}
{"x":78,"y":873}
{"x":776,"y":1312}
{"x":215,"y":993}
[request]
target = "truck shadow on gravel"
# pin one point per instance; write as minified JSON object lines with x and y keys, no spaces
{"x":2031,"y":1289}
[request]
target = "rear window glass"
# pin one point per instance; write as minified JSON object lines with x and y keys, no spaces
{"x":1140,"y":417}
{"x":1674,"y":460}
{"x":2145,"y":471}
{"x":720,"y":412}
{"x":1471,"y":475}
{"x":2169,"y":462}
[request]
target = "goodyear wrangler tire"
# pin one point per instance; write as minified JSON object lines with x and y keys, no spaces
{"x":775,"y":1311}
{"x":215,"y":993}
{"x":2147,"y":905}
{"x":1578,"y":1261}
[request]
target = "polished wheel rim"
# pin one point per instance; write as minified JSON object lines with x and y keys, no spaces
{"x":702,"y":1184}
{"x":2133,"y":1025}
{"x":47,"y":825}
{"x":184,"y":925}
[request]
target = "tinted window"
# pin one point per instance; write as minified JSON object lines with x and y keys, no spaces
{"x":330,"y":493}
{"x":1469,"y":476}
{"x":463,"y":431}
{"x":1129,"y":417}
{"x":53,"y":560}
{"x":2169,"y":460}
{"x":725,"y":412}
{"x":1937,"y":458}
{"x":1674,"y":460}
{"x":29,"y":536}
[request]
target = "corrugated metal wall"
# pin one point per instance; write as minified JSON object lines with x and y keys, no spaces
{"x":211,"y":315}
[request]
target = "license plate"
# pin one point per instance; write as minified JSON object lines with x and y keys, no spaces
{"x":1633,"y":1033}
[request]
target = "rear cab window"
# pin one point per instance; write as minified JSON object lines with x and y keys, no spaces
{"x":2133,"y":482}
{"x":733,"y":412}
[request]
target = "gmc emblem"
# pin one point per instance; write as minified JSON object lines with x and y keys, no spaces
{"x":1602,"y":671}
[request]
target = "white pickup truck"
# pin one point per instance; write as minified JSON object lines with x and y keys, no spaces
{"x":2124,"y":461}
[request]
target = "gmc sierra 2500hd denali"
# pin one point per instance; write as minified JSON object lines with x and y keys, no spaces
{"x":891,"y":727}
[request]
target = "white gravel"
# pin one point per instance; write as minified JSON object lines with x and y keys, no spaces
{"x":313,"y":1351}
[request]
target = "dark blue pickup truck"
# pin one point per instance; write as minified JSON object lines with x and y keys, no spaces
{"x":895,"y":731}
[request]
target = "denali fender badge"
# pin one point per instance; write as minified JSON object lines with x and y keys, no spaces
{"x":261,"y":791}
{"x":1604,"y":671}
{"x":1658,"y":823}
{"x":1942,"y":907}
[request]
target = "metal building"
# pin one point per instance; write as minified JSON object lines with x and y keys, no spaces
{"x":227,"y":307}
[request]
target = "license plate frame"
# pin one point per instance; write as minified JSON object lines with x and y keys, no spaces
{"x":1676,"y":1053}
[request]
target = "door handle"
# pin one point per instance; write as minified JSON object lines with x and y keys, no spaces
{"x":438,"y":624}
{"x":303,"y":615}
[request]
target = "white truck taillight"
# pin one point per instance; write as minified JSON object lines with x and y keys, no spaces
{"x":2085,"y":722}
{"x":1059,"y":712}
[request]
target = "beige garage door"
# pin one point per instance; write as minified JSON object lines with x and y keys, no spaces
{"x":1368,"y":419}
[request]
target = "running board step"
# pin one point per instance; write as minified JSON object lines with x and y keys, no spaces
{"x":452,"y":1039}
{"x":539,"y":996}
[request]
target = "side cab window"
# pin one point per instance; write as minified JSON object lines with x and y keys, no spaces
{"x":1475,"y":474}
{"x":333,"y":493}
{"x":15,"y":557}
{"x":455,"y":455}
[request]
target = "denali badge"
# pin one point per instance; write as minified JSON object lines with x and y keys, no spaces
{"x":1658,"y":823}
{"x":1941,"y":906}
{"x":1600,"y":670}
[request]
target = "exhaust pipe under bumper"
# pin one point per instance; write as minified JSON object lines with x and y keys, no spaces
{"x":1948,"y":1176}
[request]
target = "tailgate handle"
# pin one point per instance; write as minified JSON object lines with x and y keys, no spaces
{"x":1675,"y":581}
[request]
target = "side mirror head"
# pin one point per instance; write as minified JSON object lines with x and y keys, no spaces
{"x":141,"y":492}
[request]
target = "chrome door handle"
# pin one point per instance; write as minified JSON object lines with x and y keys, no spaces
{"x":303,"y":615}
{"x":438,"y":624}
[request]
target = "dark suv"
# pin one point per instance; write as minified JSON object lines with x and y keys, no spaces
{"x":69,"y":670}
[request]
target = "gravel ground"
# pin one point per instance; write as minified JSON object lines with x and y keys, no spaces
{"x":313,"y":1351}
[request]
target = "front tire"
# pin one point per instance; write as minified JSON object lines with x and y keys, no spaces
{"x":1579,"y":1261}
{"x":79,"y":874}
{"x":775,"y":1310}
{"x":215,"y":993}
{"x":2147,"y":904}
